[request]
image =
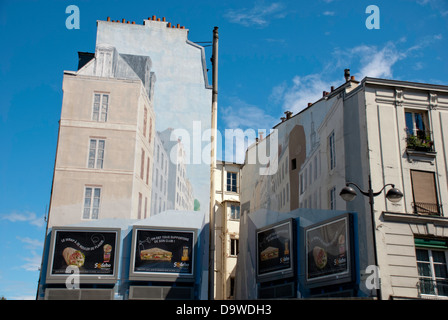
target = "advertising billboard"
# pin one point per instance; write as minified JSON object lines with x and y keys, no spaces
{"x":276,"y":251}
{"x":162,"y":254}
{"x":329,"y":254}
{"x":93,"y":253}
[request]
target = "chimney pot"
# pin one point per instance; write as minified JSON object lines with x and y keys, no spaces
{"x":124,"y":20}
{"x":164,"y":19}
{"x":352,"y":78}
{"x":347,"y":74}
{"x":332,"y":88}
{"x":169,"y":24}
{"x":178,"y":25}
{"x":133,"y":22}
{"x":154,"y":18}
{"x":108,"y":18}
{"x":158,"y":19}
{"x":309,"y":104}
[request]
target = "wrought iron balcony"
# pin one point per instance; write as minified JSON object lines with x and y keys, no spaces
{"x":433,"y":287}
{"x":432,"y":209}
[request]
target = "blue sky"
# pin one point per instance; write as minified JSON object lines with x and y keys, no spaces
{"x":273,"y":56}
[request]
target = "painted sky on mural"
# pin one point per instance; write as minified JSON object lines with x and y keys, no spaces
{"x":273,"y":56}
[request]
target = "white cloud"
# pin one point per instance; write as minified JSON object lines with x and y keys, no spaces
{"x":377,"y":63}
{"x":328,"y":13}
{"x":258,"y":16}
{"x":243,"y":122}
{"x":33,"y":262}
{"x":303,"y":90}
{"x":240,"y":114}
{"x":371,"y":61}
{"x":27,"y":216}
{"x":31,"y":243}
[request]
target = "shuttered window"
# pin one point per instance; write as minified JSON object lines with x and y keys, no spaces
{"x":424,"y":191}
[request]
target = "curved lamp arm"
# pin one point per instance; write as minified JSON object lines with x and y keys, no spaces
{"x":366,"y":193}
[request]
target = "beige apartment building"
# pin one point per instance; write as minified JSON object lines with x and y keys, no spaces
{"x":103,"y":165}
{"x":227,"y":215}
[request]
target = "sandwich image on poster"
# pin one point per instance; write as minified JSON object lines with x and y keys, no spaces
{"x":93,"y":252}
{"x":273,"y":248}
{"x":163,"y":251}
{"x":73,"y":257}
{"x":156,"y":254}
{"x":269,"y":253}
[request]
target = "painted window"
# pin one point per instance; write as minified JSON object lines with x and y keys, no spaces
{"x":92,"y":197}
{"x":96,"y":153}
{"x":100,"y":107}
{"x":332,"y":151}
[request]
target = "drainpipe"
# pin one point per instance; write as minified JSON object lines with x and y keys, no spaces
{"x":214,"y":125}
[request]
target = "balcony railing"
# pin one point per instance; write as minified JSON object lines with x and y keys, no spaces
{"x":433,"y":209}
{"x":421,"y":141}
{"x":433,"y":287}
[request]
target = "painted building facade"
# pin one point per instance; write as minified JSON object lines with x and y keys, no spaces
{"x":118,"y":149}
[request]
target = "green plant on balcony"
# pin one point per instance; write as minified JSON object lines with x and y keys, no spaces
{"x":419,"y":142}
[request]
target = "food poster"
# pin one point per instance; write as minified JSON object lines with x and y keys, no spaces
{"x":163,"y":251}
{"x":327,"y":247}
{"x":274,"y":249}
{"x":93,"y":252}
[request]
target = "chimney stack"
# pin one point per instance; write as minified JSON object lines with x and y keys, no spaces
{"x":288,"y":115}
{"x":347,"y":74}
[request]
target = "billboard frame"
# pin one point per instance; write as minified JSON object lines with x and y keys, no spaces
{"x":289,"y":272}
{"x":84,"y":278}
{"x":347,"y":276}
{"x":162,"y":276}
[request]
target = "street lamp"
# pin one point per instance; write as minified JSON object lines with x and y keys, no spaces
{"x":393,"y":195}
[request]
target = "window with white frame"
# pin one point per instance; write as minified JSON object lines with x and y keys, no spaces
{"x":332,"y":151}
{"x":432,"y":271}
{"x":100,"y":107}
{"x":416,"y":121}
{"x":96,"y":153}
{"x":234,"y":212}
{"x":231,"y":182}
{"x":92,"y":197}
